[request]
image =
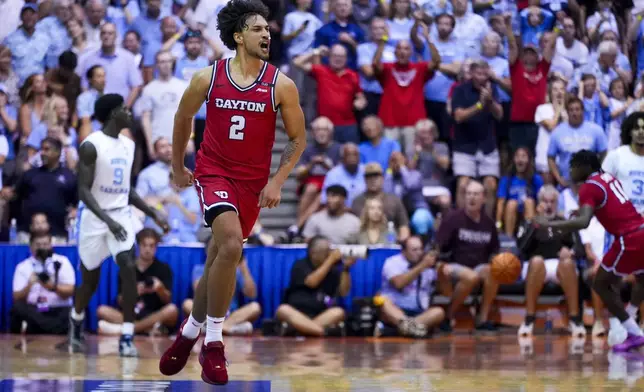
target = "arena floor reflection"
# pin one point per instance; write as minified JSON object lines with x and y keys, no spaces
{"x":461,"y":362}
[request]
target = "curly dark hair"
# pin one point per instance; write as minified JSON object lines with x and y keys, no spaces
{"x":586,"y":158}
{"x":234,"y":16}
{"x":627,"y":126}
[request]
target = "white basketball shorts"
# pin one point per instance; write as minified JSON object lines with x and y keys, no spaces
{"x":95,"y":240}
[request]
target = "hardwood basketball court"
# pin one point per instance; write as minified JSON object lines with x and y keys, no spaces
{"x":461,"y":362}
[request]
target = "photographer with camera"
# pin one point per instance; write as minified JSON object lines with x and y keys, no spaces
{"x":317,"y":281}
{"x":43,"y":285}
{"x":154,"y":311}
{"x":409,"y":279}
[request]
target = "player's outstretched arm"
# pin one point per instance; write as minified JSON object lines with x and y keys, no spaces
{"x":581,"y":221}
{"x":192,"y":99}
{"x":86,"y":170}
{"x":289,"y":101}
{"x":137,"y":202}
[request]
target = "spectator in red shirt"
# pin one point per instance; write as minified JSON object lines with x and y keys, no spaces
{"x":339,"y":91}
{"x":403,"y":102}
{"x":529,"y":76}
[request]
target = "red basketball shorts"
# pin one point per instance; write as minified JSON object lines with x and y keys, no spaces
{"x":215,"y":191}
{"x":626,"y":254}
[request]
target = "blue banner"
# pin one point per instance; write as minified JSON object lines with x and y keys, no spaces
{"x":270,"y":267}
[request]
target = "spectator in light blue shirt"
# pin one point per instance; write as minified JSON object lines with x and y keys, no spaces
{"x":85,"y":103}
{"x":500,"y":76}
{"x":28,"y":45}
{"x":148,"y":25}
{"x":622,"y":61}
{"x":572,"y":136}
{"x":54,"y":27}
{"x":497,"y":24}
{"x":298,"y":33}
{"x":534,"y":22}
{"x":299,"y":29}
{"x":499,"y":66}
{"x":33,"y":95}
{"x":164,"y":6}
{"x":341,"y":31}
{"x":368,"y":82}
{"x":499,"y":8}
{"x":437,"y":88}
{"x":169,"y":42}
{"x":469,"y":29}
{"x":605,"y":68}
{"x":593,"y":110}
{"x":349,"y":174}
{"x":377,"y":148}
{"x":132,"y":43}
{"x":364,"y":11}
{"x":185,"y":67}
{"x":122,"y":74}
{"x":400,"y":21}
{"x":8,"y":124}
{"x":154,"y":180}
{"x":636,"y":34}
{"x":56,"y":115}
{"x":437,"y":7}
{"x":121,"y":16}
{"x":184,"y":214}
{"x":408,"y":306}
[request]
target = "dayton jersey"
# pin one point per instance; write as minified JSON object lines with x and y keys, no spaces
{"x":240,"y":127}
{"x":612,"y":207}
{"x":113,"y":169}
{"x":628,"y":168}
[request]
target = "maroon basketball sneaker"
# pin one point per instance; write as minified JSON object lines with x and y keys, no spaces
{"x":213,"y":362}
{"x":176,"y":357}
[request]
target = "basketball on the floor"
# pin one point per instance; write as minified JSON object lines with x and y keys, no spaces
{"x":505,"y":268}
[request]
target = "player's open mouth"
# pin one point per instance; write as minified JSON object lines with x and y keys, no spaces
{"x":264,"y":45}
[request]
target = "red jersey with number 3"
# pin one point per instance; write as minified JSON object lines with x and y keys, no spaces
{"x":612,"y":207}
{"x":240,"y":126}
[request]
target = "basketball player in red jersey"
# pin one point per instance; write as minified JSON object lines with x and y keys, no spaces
{"x":242,"y":96}
{"x":602,"y":195}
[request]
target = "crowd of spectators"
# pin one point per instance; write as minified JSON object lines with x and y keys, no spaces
{"x":407,"y":102}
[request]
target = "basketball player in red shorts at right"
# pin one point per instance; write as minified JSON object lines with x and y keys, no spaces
{"x":602,"y":195}
{"x":242,"y":96}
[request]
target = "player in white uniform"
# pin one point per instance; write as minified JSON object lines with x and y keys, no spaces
{"x":105,"y":221}
{"x":626,"y":163}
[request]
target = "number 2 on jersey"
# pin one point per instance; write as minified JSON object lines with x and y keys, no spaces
{"x":236,"y":128}
{"x":118,"y":176}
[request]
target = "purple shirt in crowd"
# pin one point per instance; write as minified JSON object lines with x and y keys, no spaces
{"x":470,"y":243}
